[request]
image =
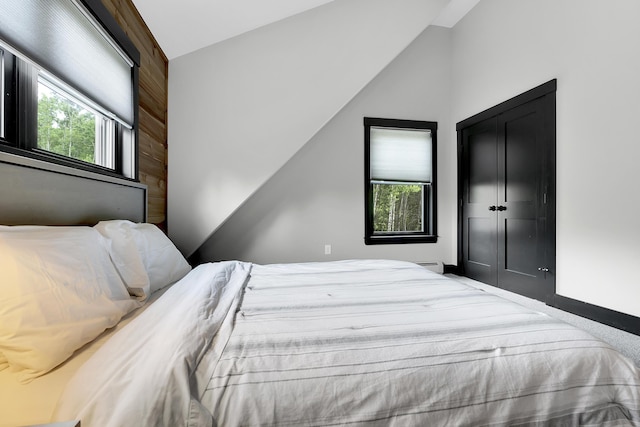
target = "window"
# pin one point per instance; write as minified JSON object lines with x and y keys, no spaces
{"x":400,"y":181}
{"x":70,"y":86}
{"x":67,"y":126}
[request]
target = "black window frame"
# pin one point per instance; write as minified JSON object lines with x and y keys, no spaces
{"x":20,"y":105}
{"x":429,"y":234}
{"x":8,"y":106}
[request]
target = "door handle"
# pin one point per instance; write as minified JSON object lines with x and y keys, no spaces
{"x":544,"y":271}
{"x":502,"y":208}
{"x":493,"y":208}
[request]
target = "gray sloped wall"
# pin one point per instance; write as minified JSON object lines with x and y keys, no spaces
{"x":317,"y":197}
{"x":240,"y":109}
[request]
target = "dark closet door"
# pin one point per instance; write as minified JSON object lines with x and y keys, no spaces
{"x":480,"y":174}
{"x":521,"y":213}
{"x":507,"y":216}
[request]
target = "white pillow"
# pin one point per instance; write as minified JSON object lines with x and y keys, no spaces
{"x":143,"y":248}
{"x":124,"y":253}
{"x":58,"y":291}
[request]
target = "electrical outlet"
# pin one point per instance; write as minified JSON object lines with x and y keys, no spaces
{"x":327,"y":249}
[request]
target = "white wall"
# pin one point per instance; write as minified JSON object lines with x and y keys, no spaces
{"x":504,"y":47}
{"x":238,"y":110}
{"x":500,"y":49}
{"x":317,"y":198}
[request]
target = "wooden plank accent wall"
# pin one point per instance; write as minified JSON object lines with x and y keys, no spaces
{"x":153,"y":101}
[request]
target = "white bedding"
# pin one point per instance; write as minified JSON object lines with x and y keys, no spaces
{"x":143,"y":375}
{"x":35,"y":402}
{"x":347,"y":343}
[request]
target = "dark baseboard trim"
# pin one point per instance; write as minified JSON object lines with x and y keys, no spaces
{"x":616,"y":319}
{"x":451,"y":269}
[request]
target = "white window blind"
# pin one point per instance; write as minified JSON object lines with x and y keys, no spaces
{"x":62,"y":37}
{"x":402,"y":155}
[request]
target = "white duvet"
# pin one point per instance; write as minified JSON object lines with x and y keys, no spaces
{"x":347,"y":343}
{"x":144,"y":375}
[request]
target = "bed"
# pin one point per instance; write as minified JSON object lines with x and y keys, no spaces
{"x":356,"y":342}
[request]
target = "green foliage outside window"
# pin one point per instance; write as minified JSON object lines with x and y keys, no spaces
{"x":397,"y":207}
{"x":65,"y":127}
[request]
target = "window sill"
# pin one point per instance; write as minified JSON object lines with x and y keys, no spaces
{"x":399,"y":239}
{"x":7,"y":156}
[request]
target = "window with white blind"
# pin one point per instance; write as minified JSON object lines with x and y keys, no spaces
{"x":70,"y":76}
{"x":400,"y":181}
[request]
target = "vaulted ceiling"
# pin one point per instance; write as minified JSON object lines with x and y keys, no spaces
{"x":188,"y":25}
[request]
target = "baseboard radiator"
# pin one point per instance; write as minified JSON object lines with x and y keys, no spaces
{"x":436,"y":266}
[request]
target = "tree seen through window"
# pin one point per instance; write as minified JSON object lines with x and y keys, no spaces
{"x":397,"y":207}
{"x":64,"y":127}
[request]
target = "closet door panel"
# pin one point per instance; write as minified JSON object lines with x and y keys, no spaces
{"x":520,"y":244}
{"x":479,"y":195}
{"x":520,"y":166}
{"x":481,"y":168}
{"x":521,"y":163}
{"x":480,"y":231}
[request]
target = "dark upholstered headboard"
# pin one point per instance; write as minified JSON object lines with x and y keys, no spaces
{"x":34,"y":192}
